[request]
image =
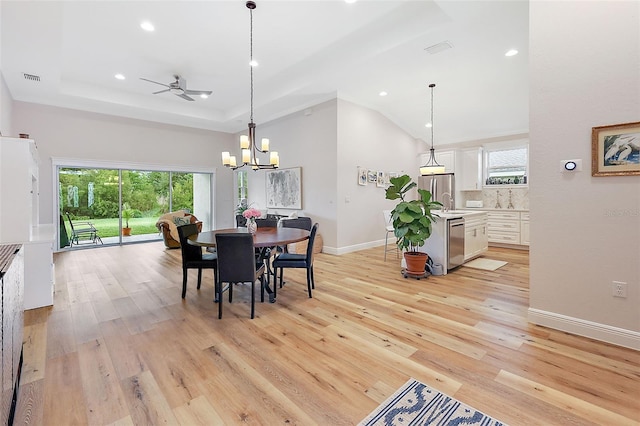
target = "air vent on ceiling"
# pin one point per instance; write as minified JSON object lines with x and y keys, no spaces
{"x":437,"y":48}
{"x":31,"y":77}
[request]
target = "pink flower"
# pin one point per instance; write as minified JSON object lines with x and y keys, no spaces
{"x":251,"y":213}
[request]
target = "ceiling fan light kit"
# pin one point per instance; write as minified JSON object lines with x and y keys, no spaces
{"x":248,"y":146}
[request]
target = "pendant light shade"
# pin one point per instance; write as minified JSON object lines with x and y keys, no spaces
{"x":432,"y":166}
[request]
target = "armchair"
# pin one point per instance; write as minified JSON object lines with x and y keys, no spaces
{"x":168,"y":224}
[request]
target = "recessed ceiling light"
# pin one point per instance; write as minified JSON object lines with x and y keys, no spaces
{"x":253,"y":63}
{"x":350,"y":1}
{"x":383,"y":93}
{"x":147,"y":26}
{"x":429,"y":125}
{"x":203,"y":96}
{"x":512,"y":52}
{"x":119,"y":76}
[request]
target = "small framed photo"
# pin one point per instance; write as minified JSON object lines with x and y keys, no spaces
{"x":362,"y":176}
{"x":383,"y":179}
{"x":615,"y":150}
{"x":372,"y":176}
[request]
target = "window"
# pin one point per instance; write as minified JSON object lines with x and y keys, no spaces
{"x":242,"y":187}
{"x":506,"y":166}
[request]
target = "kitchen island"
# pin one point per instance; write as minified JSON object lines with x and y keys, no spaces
{"x":475,"y":236}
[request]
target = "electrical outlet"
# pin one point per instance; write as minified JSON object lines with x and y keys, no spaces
{"x":619,"y":289}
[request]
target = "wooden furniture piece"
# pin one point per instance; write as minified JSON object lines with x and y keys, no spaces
{"x":237,"y":264}
{"x":264,"y":237}
{"x":192,"y":258}
{"x":12,"y":280}
{"x":19,"y":211}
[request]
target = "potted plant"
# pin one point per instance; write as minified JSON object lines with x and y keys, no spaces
{"x":127,"y":214}
{"x":411,"y":221}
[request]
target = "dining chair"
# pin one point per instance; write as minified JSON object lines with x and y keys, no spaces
{"x":299,"y":222}
{"x":294,"y":260}
{"x":267,"y":223}
{"x":389,"y":230}
{"x":237,"y":264}
{"x":193,"y":258}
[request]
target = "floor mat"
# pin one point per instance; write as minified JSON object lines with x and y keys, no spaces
{"x":486,"y":264}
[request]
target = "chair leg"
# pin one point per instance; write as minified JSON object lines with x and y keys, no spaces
{"x":184,"y":282}
{"x":313,"y":281}
{"x":199,"y":277}
{"x":262,"y":285}
{"x":219,"y":300}
{"x":309,"y":280}
{"x":386,"y":239}
{"x":253,"y":297}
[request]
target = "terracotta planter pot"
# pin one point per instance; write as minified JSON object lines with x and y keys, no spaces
{"x":416,"y":262}
{"x":126,"y":232}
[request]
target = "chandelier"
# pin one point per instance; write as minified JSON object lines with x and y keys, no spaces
{"x":432,"y":166}
{"x":248,"y":146}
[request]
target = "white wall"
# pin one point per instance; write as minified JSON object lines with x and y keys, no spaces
{"x":67,"y":133}
{"x":6,"y":109}
{"x":305,"y":139}
{"x":367,"y":139}
{"x":585,"y":231}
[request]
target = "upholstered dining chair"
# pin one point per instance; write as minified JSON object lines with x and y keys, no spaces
{"x":294,"y":260}
{"x":237,"y":264}
{"x":193,"y":258}
{"x":267,"y":223}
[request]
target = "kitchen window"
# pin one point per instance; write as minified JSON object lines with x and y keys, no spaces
{"x":506,"y":166}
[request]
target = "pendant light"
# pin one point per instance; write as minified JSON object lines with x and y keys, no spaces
{"x":432,"y":166}
{"x":248,"y":147}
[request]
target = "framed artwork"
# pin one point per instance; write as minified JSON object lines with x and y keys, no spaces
{"x":615,"y":150}
{"x":284,"y":188}
{"x":372,"y":176}
{"x":383,"y":179}
{"x":362,"y":176}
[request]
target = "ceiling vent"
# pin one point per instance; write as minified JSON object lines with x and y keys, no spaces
{"x":437,"y":48}
{"x":31,"y":77}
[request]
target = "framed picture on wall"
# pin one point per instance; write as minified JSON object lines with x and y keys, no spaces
{"x":362,"y":176}
{"x":615,"y":150}
{"x":372,"y":176}
{"x":284,"y":188}
{"x":383,"y":179}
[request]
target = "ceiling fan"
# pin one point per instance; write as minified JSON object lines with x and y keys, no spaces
{"x":179,"y":88}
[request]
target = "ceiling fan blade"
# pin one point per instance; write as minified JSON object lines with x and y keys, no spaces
{"x":161,"y":91}
{"x":183,"y":96}
{"x":151,"y":81}
{"x":198,"y":92}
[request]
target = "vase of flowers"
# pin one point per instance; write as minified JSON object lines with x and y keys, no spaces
{"x":251,"y":214}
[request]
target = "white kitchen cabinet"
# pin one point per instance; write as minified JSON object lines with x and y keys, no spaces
{"x":19,"y":218}
{"x":469,"y":171}
{"x":476,"y":238}
{"x":508,"y":227}
{"x":524,"y":228}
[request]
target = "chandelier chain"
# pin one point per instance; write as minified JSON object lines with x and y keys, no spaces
{"x":251,"y":59}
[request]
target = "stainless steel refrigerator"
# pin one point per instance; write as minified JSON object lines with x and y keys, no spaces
{"x":440,"y":185}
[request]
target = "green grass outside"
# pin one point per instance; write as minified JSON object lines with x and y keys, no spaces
{"x":110,"y":227}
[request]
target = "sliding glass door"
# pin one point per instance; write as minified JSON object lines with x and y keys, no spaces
{"x":117,"y":206}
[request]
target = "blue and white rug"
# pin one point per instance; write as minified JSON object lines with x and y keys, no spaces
{"x":417,"y":404}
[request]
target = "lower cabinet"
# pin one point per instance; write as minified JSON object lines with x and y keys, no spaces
{"x":12,"y":279}
{"x":506,"y":227}
{"x":475,"y":236}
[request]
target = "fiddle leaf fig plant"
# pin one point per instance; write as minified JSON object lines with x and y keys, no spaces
{"x":411,"y":219}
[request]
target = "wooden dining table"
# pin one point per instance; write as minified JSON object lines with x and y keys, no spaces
{"x":264,"y":239}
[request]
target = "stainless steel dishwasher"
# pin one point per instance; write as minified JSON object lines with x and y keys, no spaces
{"x":456,"y":242}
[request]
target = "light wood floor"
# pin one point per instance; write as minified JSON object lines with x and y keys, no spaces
{"x":120,"y":346}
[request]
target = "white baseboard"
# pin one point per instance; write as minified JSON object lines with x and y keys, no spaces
{"x":606,"y":333}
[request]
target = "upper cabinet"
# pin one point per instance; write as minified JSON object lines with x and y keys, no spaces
{"x":469,"y":169}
